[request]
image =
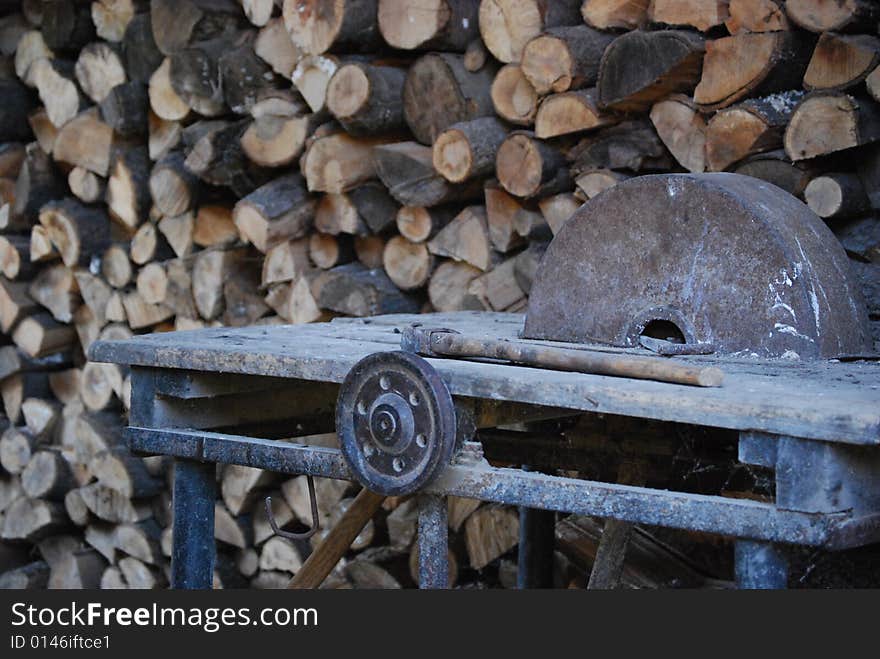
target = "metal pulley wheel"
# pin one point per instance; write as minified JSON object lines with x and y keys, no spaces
{"x":396,"y":422}
{"x":718,"y":259}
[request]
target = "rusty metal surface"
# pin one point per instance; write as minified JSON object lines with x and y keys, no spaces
{"x":396,"y":422}
{"x":729,"y":259}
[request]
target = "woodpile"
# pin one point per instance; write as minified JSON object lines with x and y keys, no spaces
{"x":179,"y":164}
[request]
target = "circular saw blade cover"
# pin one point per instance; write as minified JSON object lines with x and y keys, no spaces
{"x":729,"y":259}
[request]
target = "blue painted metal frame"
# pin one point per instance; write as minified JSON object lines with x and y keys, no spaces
{"x":737,"y":518}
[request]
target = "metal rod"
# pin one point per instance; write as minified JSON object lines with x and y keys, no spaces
{"x":449,"y":344}
{"x":192,"y":557}
{"x":711,"y":514}
{"x":433,"y":542}
{"x":760,"y":565}
{"x":537,"y":529}
{"x":332,"y":548}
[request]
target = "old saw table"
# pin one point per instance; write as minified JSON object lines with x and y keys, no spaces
{"x":734,"y":275}
{"x":816,"y":423}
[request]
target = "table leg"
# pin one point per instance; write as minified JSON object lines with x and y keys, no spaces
{"x":433,"y":542}
{"x":192,"y":559}
{"x":760,"y":566}
{"x":536,"y":538}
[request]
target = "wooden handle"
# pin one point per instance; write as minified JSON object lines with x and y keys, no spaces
{"x":327,"y":554}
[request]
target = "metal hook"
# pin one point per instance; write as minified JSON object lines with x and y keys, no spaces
{"x":316,"y":523}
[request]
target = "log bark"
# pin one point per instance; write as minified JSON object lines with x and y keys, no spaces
{"x":527,"y":167}
{"x":125,"y":108}
{"x":439,"y":91}
{"x":354,"y":290}
{"x":837,"y":195}
{"x":640,"y":68}
{"x":77,"y":231}
{"x":142,"y":55}
{"x":128,"y":187}
{"x":277,"y":212}
{"x":467,"y":150}
{"x":366,"y":99}
{"x":466,"y":239}
{"x":564,"y":58}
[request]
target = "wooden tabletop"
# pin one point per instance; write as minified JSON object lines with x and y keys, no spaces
{"x":826,"y":400}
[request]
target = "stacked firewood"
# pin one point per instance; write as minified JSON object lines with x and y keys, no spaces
{"x":177,"y":164}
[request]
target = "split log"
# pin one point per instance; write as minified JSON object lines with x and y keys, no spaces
{"x":327,"y":251}
{"x":752,"y":64}
{"x":439,"y":91}
{"x":262,"y":529}
{"x":141,"y":314}
{"x":41,"y":335}
{"x":527,"y":167}
{"x":17,"y":446}
{"x":510,"y":220}
{"x":632,"y":145}
{"x":466,"y":238}
{"x":700,"y":14}
{"x":98,"y":386}
{"x":164,"y":136}
{"x":76,"y":508}
{"x":558,"y":209}
{"x":164,"y":101}
{"x":112,"y":17}
{"x":369,"y":250}
{"x":152,"y":283}
{"x":33,"y":576}
{"x":172,"y":186}
{"x":525,"y":266}
{"x":756,"y":16}
{"x":142,"y":55}
{"x":418,"y":224}
{"x":77,"y":231}
{"x":242,"y":486}
{"x":15,"y":260}
{"x":498,"y":289}
{"x":243,"y":76}
{"x":128,"y":188}
{"x":217,"y":157}
{"x":294,"y":302}
{"x":615,"y":14}
{"x":31,"y":520}
{"x":407,"y":170}
{"x":178,"y":232}
{"x":31,"y":48}
{"x":285,"y":261}
{"x":564,"y":58}
{"x":311,"y":76}
{"x":41,"y":417}
{"x":354,"y":290}
{"x":514,"y":98}
{"x":56,"y":289}
{"x":55,"y":82}
{"x":38,"y":183}
{"x":829,"y":122}
{"x":99,"y":69}
{"x":85,"y":141}
{"x":274,"y":46}
{"x":86,"y":186}
{"x":179,"y":291}
{"x":467,"y":150}
{"x":177,"y":23}
{"x":841,"y":61}
{"x":210,"y":270}
{"x":16,"y":388}
{"x":408,"y":264}
{"x":367,"y":99}
{"x":47,"y":476}
{"x":116,"y":266}
{"x":15,"y":304}
{"x":339,"y":162}
{"x":140,"y":576}
{"x":277,"y":212}
{"x":445,"y":25}
{"x":336,"y":214}
{"x":749,"y":127}
{"x":570,"y":112}
{"x":95,"y":293}
{"x":11,"y":158}
{"x":112,"y":506}
{"x":42,"y":248}
{"x":278,"y":554}
{"x":489,"y":533}
{"x":640,"y":68}
{"x":508,"y":25}
{"x":837,"y":195}
{"x":43,"y":129}
{"x":125,"y":109}
{"x":682,"y":128}
{"x":775,"y":167}
{"x":214,"y":227}
{"x":140,"y":540}
{"x":317,"y":26}
{"x":824,"y":16}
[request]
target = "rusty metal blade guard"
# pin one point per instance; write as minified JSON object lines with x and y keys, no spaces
{"x":726,"y":259}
